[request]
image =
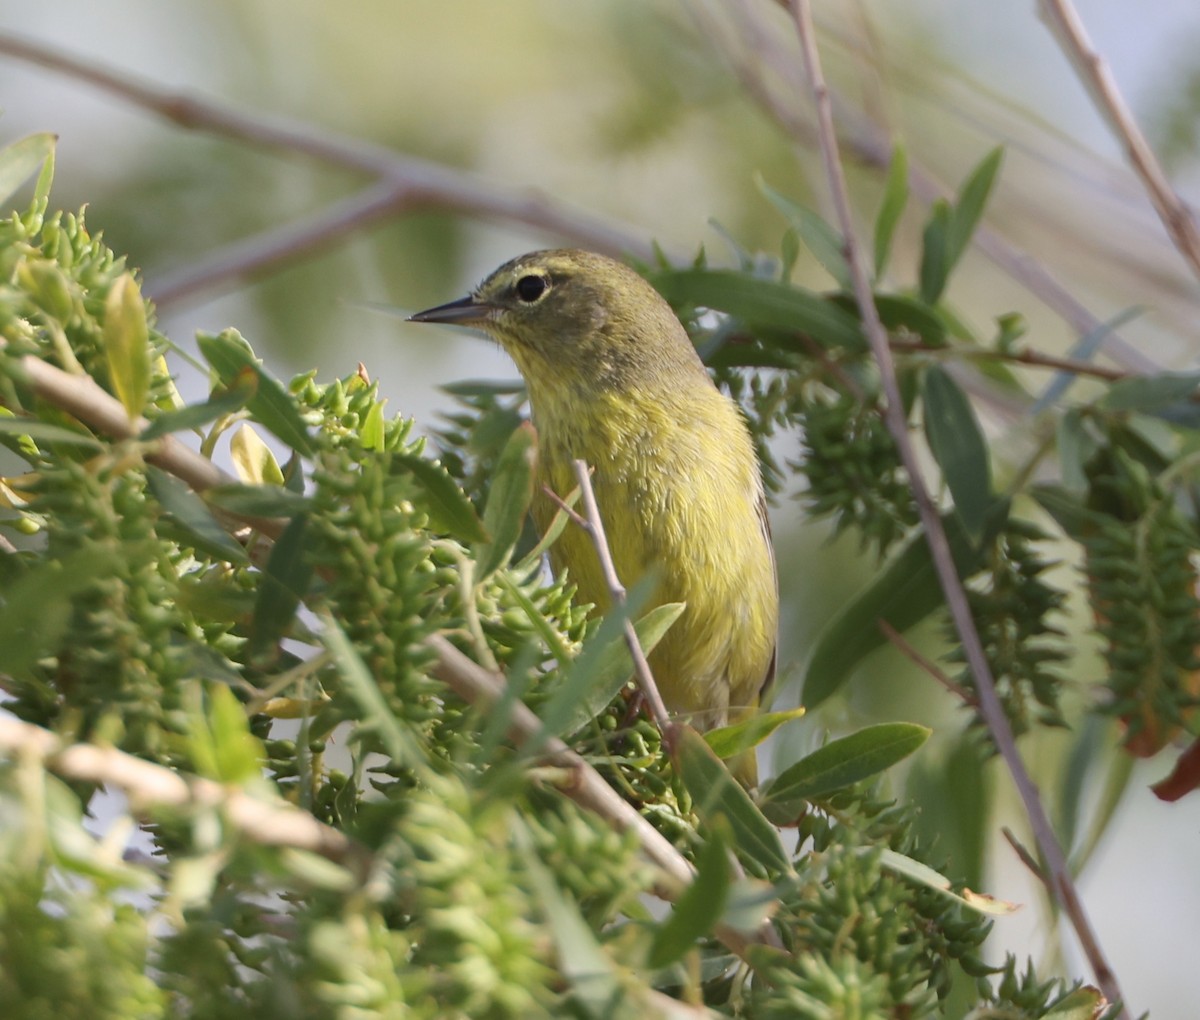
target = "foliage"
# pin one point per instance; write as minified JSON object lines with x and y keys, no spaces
{"x":272,"y":634}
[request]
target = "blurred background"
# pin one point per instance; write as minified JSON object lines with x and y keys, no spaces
{"x":622,"y":123}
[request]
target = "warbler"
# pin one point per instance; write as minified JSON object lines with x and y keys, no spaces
{"x":614,"y":379}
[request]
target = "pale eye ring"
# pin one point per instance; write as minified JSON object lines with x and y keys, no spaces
{"x":531,"y":288}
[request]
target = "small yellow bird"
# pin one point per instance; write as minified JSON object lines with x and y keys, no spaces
{"x":614,"y":379}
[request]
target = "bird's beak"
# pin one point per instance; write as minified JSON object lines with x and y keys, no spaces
{"x":463,"y":312}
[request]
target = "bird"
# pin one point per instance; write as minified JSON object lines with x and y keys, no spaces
{"x":614,"y":379}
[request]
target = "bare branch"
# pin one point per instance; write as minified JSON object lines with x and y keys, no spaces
{"x":990,"y":709}
{"x":1066,"y":26}
{"x":151,"y":787}
{"x":595,"y":528}
{"x":418,"y":183}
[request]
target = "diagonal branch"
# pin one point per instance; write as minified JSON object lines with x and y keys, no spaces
{"x":1061,"y":881}
{"x":1066,"y":26}
{"x":425,"y":184}
{"x":149,"y":786}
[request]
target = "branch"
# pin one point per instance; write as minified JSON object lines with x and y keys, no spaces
{"x":871,"y":146}
{"x":83,"y":398}
{"x":595,"y":529}
{"x":1097,"y":77}
{"x":990,"y":709}
{"x":149,"y":787}
{"x":425,"y":184}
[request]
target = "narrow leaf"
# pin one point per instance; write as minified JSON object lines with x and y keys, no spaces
{"x":959,"y":447}
{"x":127,"y":344}
{"x":1151,"y":392}
{"x":763,"y":302}
{"x":698,"y":908}
{"x":374,"y":711}
{"x":189,"y":511}
{"x":21,"y":159}
{"x":583,"y":676}
{"x":730,"y":741}
{"x":922,"y":874}
{"x":285,"y":581}
{"x":903,"y":593}
{"x":717,"y":795}
{"x":839,"y":764}
{"x":271,"y":406}
{"x":935,"y":253}
{"x":46,"y":432}
{"x":895,"y":198}
{"x":253,"y":460}
{"x":257,"y":500}
{"x":972,"y":198}
{"x":592,"y":974}
{"x":448,"y":507}
{"x":193,"y":416}
{"x":614,"y":667}
{"x":508,"y":501}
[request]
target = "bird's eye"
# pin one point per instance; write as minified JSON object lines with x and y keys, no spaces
{"x":530,"y":288}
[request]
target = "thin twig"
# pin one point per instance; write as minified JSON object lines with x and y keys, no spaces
{"x":1097,"y":77}
{"x":1035,"y":359}
{"x":926,"y":664}
{"x":151,"y":788}
{"x":425,"y":184}
{"x":990,"y":708}
{"x":595,"y":529}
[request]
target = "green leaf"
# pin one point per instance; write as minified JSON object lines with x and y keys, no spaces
{"x":954,"y":795}
{"x":127,"y":344}
{"x":448,"y":507}
{"x":959,"y":447}
{"x":37,"y":605}
{"x":895,"y":198}
{"x":193,"y":416}
{"x":730,"y":741}
{"x":839,"y":764}
{"x":717,"y":795}
{"x":903,"y":593}
{"x":46,"y":432}
{"x":972,"y":198}
{"x":595,"y":663}
{"x":614,"y":665}
{"x":593,"y":976}
{"x":374,"y":710}
{"x":763,"y":302}
{"x":19,"y":161}
{"x":923,"y":875}
{"x":191,"y":513}
{"x":220,"y":744}
{"x":935,"y":253}
{"x":1150,"y":392}
{"x":898,"y":312}
{"x":508,"y":501}
{"x":285,"y":581}
{"x":949,"y":229}
{"x":819,"y":237}
{"x":1084,"y":1003}
{"x":371,"y":434}
{"x":698,"y":908}
{"x":271,"y":406}
{"x":1076,"y":445}
{"x":257,"y":500}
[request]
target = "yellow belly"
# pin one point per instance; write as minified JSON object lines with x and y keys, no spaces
{"x":677,"y":500}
